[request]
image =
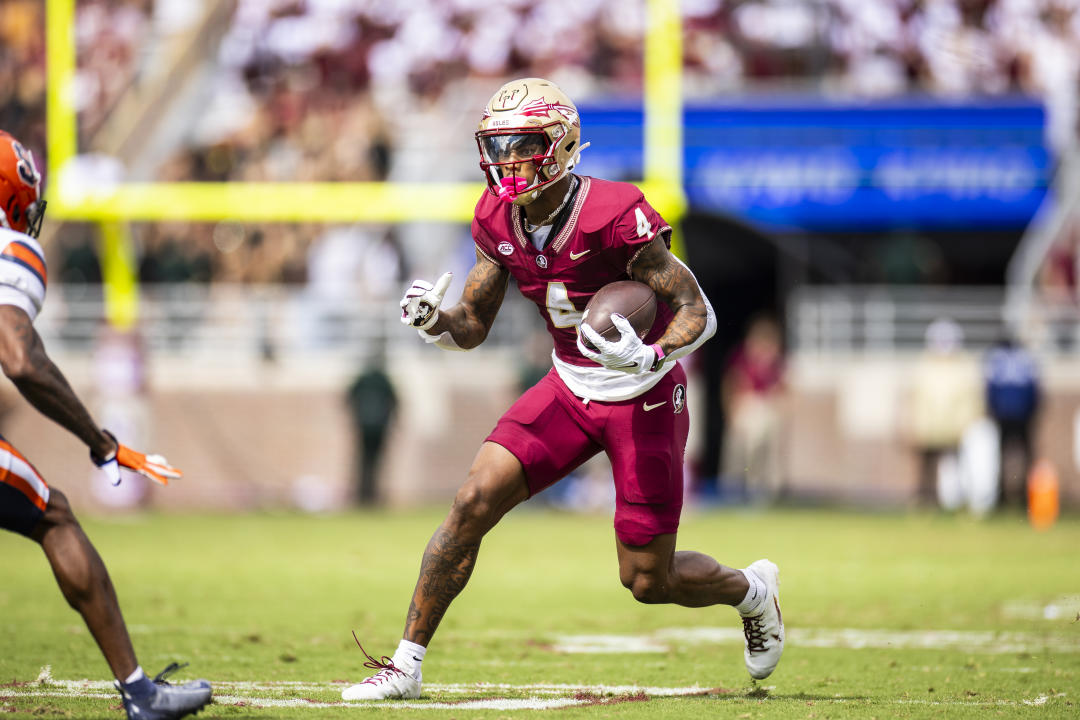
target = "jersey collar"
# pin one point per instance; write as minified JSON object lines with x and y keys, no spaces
{"x":557,"y":240}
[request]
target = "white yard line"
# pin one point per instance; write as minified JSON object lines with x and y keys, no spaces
{"x":486,"y":704}
{"x":663,"y":640}
{"x":545,"y":696}
{"x":1063,"y":606}
{"x":83,"y":688}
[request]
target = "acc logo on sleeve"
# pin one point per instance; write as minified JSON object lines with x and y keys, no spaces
{"x":506,"y":248}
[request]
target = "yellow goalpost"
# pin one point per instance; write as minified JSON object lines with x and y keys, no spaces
{"x":319,"y":201}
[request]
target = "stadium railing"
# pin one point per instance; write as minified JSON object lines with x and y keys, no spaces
{"x":235,"y":323}
{"x":841,"y":319}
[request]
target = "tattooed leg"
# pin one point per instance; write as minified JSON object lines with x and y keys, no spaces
{"x":496,"y":483}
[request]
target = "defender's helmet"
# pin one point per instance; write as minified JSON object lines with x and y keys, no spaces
{"x":21,"y":207}
{"x":528,"y":120}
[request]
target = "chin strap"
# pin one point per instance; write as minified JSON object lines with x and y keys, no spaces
{"x":576,"y":158}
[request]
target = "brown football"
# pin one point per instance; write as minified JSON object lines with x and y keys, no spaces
{"x":633,"y":300}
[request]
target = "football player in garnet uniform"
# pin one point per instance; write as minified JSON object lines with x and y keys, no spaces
{"x":28,"y":506}
{"x":562,"y":237}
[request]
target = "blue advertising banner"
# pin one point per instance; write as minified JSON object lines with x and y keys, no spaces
{"x":813,"y":165}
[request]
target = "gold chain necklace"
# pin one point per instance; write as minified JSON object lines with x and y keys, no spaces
{"x":529,"y":227}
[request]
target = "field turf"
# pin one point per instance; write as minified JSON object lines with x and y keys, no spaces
{"x":888,"y":615}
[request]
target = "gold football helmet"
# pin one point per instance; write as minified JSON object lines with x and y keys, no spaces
{"x":528,"y":120}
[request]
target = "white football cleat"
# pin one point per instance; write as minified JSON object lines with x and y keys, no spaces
{"x":390,"y":683}
{"x":764,"y":630}
{"x":387,"y":684}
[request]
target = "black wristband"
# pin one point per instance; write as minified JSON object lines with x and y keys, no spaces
{"x":98,"y":460}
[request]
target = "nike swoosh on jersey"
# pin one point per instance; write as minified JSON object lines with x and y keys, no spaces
{"x":647,"y":407}
{"x":575,"y":256}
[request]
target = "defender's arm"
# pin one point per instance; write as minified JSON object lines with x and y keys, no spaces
{"x":672,"y":281}
{"x":24,"y":361}
{"x":468,"y":322}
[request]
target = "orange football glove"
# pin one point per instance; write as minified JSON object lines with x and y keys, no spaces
{"x":154,"y":467}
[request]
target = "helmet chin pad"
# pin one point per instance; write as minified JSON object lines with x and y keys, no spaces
{"x":511,"y":187}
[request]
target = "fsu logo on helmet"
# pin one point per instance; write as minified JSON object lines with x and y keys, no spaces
{"x":542,"y":108}
{"x":509,"y":96}
{"x":678,"y":398}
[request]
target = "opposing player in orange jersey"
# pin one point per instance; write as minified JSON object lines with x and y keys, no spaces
{"x":561,"y":237}
{"x":30,"y":507}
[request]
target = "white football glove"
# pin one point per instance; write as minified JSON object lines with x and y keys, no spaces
{"x":420,"y":306}
{"x":628,"y":354}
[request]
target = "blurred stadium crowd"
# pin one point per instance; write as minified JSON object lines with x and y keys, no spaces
{"x":305,"y":88}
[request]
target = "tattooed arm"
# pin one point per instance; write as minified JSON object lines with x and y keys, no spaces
{"x":469,"y":321}
{"x":24,"y":361}
{"x":674,"y":284}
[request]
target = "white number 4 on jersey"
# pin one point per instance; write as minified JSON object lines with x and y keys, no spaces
{"x":560,"y":308}
{"x":644,"y":227}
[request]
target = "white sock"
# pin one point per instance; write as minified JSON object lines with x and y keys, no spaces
{"x":137,"y":674}
{"x":409,"y":656}
{"x":755,"y":596}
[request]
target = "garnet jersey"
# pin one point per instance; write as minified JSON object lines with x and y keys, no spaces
{"x":22,"y":272}
{"x":608,"y":224}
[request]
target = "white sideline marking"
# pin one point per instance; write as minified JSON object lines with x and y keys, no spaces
{"x":611,"y":644}
{"x":1063,"y":606}
{"x":1041,"y":700}
{"x":977,"y":641}
{"x":78,"y":687}
{"x":487,"y":704}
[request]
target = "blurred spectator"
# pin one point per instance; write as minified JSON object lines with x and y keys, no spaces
{"x":906,"y":258}
{"x":22,"y":73}
{"x":382,"y":266}
{"x":961,"y":48}
{"x":122,"y":405}
{"x":372,"y":403}
{"x":946,"y":398}
{"x":535,"y":360}
{"x":1012,"y":400}
{"x":108,"y":39}
{"x":1058,"y":285}
{"x":80,"y":263}
{"x":339,"y":263}
{"x":169,"y":257}
{"x":1048,"y":62}
{"x":752,"y":389}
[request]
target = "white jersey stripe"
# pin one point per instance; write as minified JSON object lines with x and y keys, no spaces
{"x":21,"y":285}
{"x":17,"y":466}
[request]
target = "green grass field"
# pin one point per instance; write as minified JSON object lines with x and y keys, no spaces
{"x":888,"y":615}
